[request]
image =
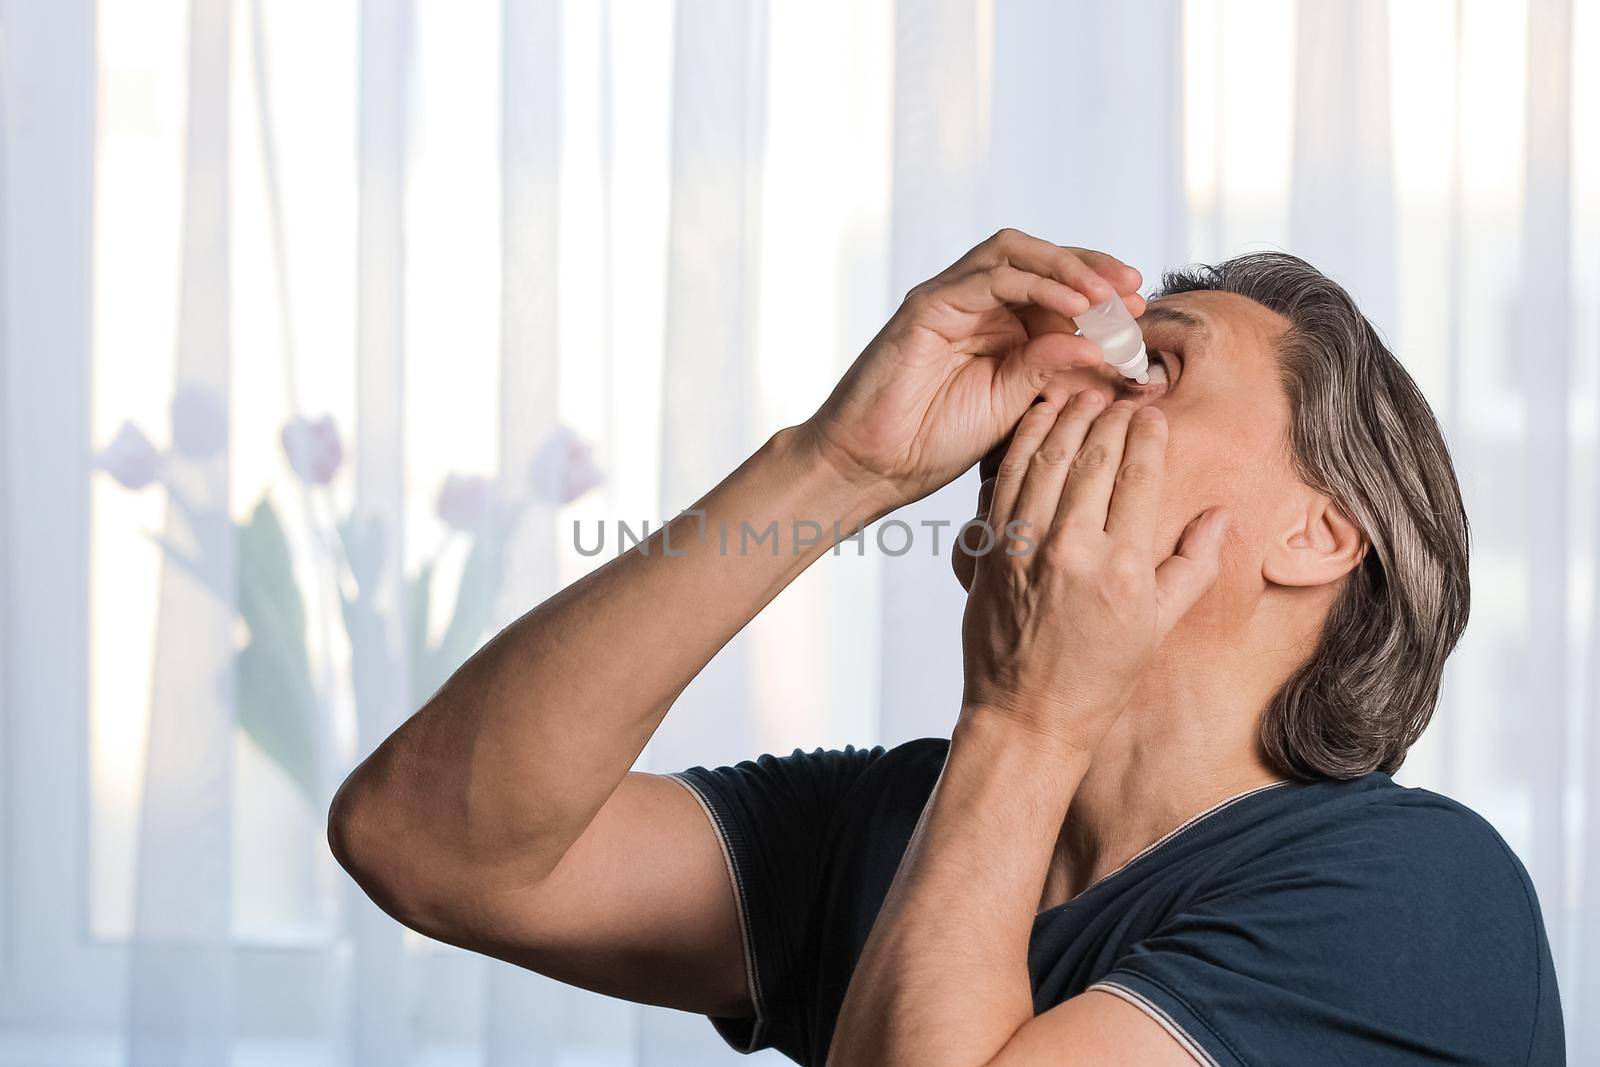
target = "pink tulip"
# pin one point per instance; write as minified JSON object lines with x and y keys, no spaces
{"x":465,"y":500}
{"x":313,"y":448}
{"x":130,"y":458}
{"x":564,"y":469}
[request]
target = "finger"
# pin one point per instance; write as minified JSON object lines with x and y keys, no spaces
{"x":1185,"y":575}
{"x":1047,"y":471}
{"x":1014,"y":246}
{"x":1037,"y":256}
{"x":1124,"y":278}
{"x":1037,"y":320}
{"x":1003,"y":339}
{"x":1030,"y":433}
{"x":1085,"y":502}
{"x":990,"y":270}
{"x":1004,"y":283}
{"x":1027,"y":372}
{"x":1136,"y":499}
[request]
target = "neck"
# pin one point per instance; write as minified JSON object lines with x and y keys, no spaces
{"x":1186,"y":743}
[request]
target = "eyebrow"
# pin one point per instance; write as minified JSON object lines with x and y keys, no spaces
{"x":1159,"y":315}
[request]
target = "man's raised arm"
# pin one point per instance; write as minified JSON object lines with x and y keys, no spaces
{"x":494,"y":814}
{"x":457,"y":818}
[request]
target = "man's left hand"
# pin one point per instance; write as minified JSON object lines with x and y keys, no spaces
{"x":1069,"y":605}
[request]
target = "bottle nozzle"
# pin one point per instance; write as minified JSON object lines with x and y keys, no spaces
{"x":1136,"y":368}
{"x":1111,"y":327}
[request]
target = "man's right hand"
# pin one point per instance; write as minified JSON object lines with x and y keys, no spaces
{"x":956,"y":367}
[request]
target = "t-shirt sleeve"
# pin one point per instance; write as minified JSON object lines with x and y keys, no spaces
{"x":772,"y":815}
{"x":1408,"y":935}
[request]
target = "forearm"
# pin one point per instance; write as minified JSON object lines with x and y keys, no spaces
{"x":943,"y":979}
{"x":497,"y":775}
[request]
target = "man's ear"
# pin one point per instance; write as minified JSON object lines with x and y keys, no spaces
{"x":1318,"y":545}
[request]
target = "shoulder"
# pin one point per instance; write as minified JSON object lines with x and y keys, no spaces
{"x":912,"y":764}
{"x":774,"y":795}
{"x":1392,"y":865}
{"x":887,"y":797}
{"x":1395,"y":904}
{"x":1393,"y":841}
{"x":1376,"y":922}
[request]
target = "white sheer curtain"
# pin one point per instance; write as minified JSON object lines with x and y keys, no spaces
{"x":323,"y":325}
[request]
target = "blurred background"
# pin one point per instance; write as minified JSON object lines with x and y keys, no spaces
{"x":324,"y":322}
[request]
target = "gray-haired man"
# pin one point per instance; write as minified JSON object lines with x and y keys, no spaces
{"x":1210,"y":620}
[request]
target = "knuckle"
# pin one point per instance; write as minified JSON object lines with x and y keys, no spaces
{"x":1091,"y":458}
{"x":1052,"y":456}
{"x":1069,"y":556}
{"x":1147,"y":420}
{"x":1021,"y":541}
{"x":1125,"y":563}
{"x":917,"y":303}
{"x":1061,"y":551}
{"x":1005,"y":235}
{"x":1136,"y":474}
{"x":1119,"y":409}
{"x":1011,"y":468}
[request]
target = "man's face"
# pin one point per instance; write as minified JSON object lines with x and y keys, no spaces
{"x":1227,"y":414}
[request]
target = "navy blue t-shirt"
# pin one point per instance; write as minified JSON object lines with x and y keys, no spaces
{"x":1355,"y":922}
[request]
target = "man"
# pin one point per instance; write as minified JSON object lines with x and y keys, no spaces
{"x":1207,"y":616}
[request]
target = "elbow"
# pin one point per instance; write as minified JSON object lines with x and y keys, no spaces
{"x":373,"y":835}
{"x":358,"y":837}
{"x":349,"y":820}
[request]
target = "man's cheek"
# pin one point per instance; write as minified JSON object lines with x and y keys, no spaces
{"x":964,"y":568}
{"x":1179,"y":507}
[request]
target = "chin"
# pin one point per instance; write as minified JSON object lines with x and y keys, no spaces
{"x":964,"y":566}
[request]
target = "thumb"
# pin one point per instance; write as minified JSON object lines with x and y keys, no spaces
{"x":1192,"y":569}
{"x":1025,"y":373}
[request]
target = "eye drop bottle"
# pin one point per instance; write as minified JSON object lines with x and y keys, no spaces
{"x":1111,"y":327}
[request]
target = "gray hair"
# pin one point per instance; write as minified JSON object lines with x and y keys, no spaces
{"x":1360,"y":432}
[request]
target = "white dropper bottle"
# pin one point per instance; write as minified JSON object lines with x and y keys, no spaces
{"x":1111,"y":327}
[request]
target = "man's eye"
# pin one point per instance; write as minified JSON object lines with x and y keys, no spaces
{"x":1163,"y":369}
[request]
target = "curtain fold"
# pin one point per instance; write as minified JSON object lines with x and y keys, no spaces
{"x":708,"y":384}
{"x":1341,"y":205}
{"x":47,"y":107}
{"x":1099,"y":161}
{"x":380,"y":983}
{"x":180,"y":982}
{"x":525,"y":1013}
{"x":1542,"y":322}
{"x":713,"y":249}
{"x":937,"y":176}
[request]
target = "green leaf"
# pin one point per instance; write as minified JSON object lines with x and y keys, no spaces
{"x":480,"y":581}
{"x":277,"y":702}
{"x":269,"y":599}
{"x":276,"y":711}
